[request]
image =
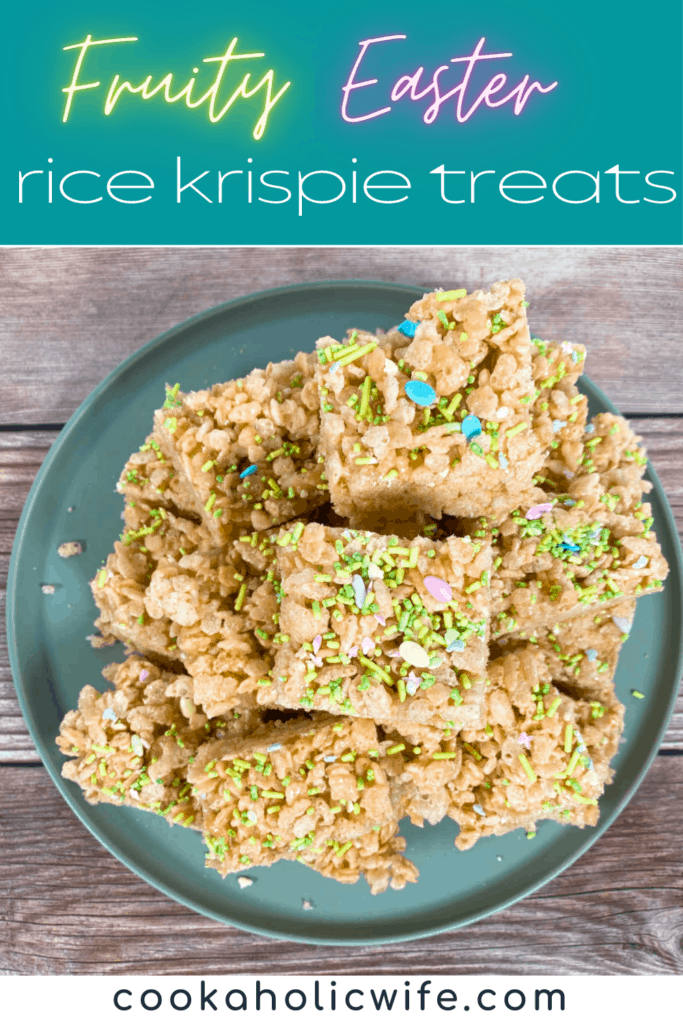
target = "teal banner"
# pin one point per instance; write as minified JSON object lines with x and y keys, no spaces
{"x":305,"y":123}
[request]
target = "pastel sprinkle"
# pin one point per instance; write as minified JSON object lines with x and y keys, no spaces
{"x":471,"y":426}
{"x":317,"y":643}
{"x":420,"y":392}
{"x":641,"y":563}
{"x":414,"y":654}
{"x":525,"y":740}
{"x":568,"y":546}
{"x":455,"y":645}
{"x":273,"y":747}
{"x":251,"y":815}
{"x":438,"y":588}
{"x":502,"y":462}
{"x":307,"y":905}
{"x":248,"y":471}
{"x":623,"y":624}
{"x":536,"y":511}
{"x":591,"y":653}
{"x":368,"y":645}
{"x":478,"y":809}
{"x":334,"y":367}
{"x":329,"y":758}
{"x":558,"y":424}
{"x":382,"y":621}
{"x":110,"y":714}
{"x":136,"y":744}
{"x":408,"y":327}
{"x":359,"y":591}
{"x":567,"y":347}
{"x":143,"y":675}
{"x":412,"y":684}
{"x":353,"y":651}
{"x":590,"y":427}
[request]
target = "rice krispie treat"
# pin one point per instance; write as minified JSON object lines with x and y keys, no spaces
{"x":381,"y":628}
{"x":434,"y":416}
{"x":149,"y":476}
{"x":296,"y":790}
{"x":582,"y":653}
{"x":553,"y":561}
{"x":132,"y":745}
{"x":246,"y":451}
{"x":540,"y":754}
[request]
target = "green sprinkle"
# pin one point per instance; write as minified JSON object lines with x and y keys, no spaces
{"x":524,"y":761}
{"x":516,"y":430}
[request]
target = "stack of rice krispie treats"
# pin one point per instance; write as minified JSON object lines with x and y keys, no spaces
{"x":389,"y":578}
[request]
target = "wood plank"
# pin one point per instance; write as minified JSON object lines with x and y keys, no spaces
{"x":76,"y":313}
{"x":22,"y":453}
{"x":68,"y":907}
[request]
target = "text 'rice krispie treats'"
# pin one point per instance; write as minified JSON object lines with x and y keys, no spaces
{"x":436,"y":416}
{"x":381,"y":628}
{"x":306,"y":791}
{"x":246,"y":451}
{"x":132,"y":745}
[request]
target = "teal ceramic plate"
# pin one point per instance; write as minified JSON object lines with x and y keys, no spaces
{"x":52,"y":660}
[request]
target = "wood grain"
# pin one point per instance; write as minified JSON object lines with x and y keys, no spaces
{"x":69,"y":316}
{"x":67,"y":906}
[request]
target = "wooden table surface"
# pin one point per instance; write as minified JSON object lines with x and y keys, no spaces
{"x":69,"y":316}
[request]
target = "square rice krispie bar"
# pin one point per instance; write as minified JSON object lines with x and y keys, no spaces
{"x":552,"y":562}
{"x":381,"y":628}
{"x":246,"y":451}
{"x":435,"y":416}
{"x":540,"y":754}
{"x":582,"y":653}
{"x":168,"y":592}
{"x":299,"y":790}
{"x":132,"y":745}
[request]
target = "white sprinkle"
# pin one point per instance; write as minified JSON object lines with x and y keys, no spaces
{"x":640,"y":564}
{"x":567,"y":347}
{"x":414,"y":654}
{"x":330,"y":758}
{"x":502,"y":413}
{"x":374,"y":572}
{"x":244,"y":882}
{"x":558,"y":424}
{"x":359,"y":591}
{"x":251,"y":815}
{"x":307,"y":905}
{"x":590,"y":427}
{"x":136,"y":744}
{"x":48,"y":588}
{"x":502,"y":461}
{"x":412,"y":685}
{"x":110,"y":714}
{"x":623,"y":624}
{"x":591,"y":653}
{"x":273,"y":746}
{"x":498,"y":857}
{"x":479,"y":810}
{"x":568,"y":473}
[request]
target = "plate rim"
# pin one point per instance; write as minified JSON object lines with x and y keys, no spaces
{"x":21,"y":684}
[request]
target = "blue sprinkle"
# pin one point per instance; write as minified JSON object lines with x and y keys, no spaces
{"x":569,"y":501}
{"x":479,"y":810}
{"x":591,"y":653}
{"x":576,"y":356}
{"x":109,"y":713}
{"x":359,"y":590}
{"x":251,"y":815}
{"x":558,"y":424}
{"x":502,"y":462}
{"x":408,"y":327}
{"x":641,"y":563}
{"x":471,"y":426}
{"x":456,"y":645}
{"x":248,"y":471}
{"x":420,"y":392}
{"x":273,"y":746}
{"x":330,"y":758}
{"x":568,"y":546}
{"x":590,"y":428}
